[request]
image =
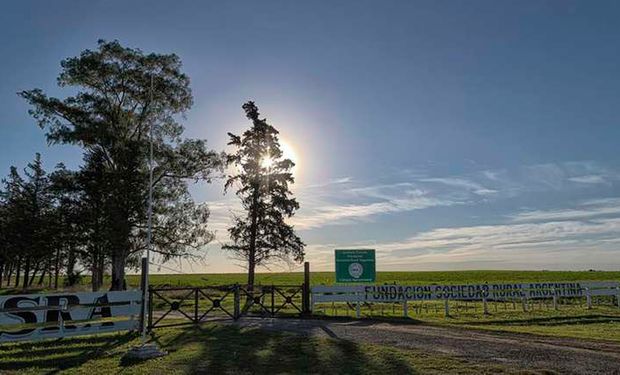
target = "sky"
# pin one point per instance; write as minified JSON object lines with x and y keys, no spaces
{"x":444,"y":134}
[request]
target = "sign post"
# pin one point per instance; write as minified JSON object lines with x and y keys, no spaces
{"x":355,"y":266}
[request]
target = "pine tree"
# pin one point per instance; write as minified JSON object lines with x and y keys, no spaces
{"x":262,"y":179}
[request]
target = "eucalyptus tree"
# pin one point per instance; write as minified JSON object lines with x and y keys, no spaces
{"x":261,"y":177}
{"x":121,"y":97}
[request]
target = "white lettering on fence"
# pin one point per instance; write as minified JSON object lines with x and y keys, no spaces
{"x":67,"y":314}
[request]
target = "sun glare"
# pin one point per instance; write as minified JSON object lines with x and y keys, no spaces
{"x":266,"y":162}
{"x":287,"y":153}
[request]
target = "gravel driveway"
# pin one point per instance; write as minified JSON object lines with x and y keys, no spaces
{"x":521,"y":351}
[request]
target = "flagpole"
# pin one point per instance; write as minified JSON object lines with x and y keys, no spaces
{"x":145,"y":351}
{"x":149,"y":230}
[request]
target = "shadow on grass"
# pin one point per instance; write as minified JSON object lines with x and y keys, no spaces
{"x":52,"y":356}
{"x":550,"y":321}
{"x":226,"y":349}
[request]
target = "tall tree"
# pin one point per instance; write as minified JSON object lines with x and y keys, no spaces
{"x":262,"y":177}
{"x":28,"y":224}
{"x":110,"y":118}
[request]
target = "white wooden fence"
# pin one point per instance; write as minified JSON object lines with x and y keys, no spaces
{"x":356,"y":294}
{"x":40,"y":316}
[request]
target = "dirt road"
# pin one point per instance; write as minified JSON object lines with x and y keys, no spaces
{"x":521,"y":351}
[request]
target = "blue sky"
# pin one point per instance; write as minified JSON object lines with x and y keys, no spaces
{"x":445,"y":134}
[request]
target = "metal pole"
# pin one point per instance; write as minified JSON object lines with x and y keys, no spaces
{"x":149,"y":234}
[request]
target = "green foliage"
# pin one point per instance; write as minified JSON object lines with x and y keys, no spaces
{"x":262,"y":179}
{"x":30,"y":226}
{"x":124,"y":98}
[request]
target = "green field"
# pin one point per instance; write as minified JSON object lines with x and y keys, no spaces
{"x":409,"y":278}
{"x":328,"y":278}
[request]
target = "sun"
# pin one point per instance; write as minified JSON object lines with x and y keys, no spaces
{"x":266,"y":162}
{"x":287,"y":153}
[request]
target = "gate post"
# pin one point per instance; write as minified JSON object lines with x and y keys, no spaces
{"x":144,"y":264}
{"x":196,"y":305}
{"x":305,"y":293}
{"x":150,"y":326}
{"x":273,"y":301}
{"x":236,"y":305}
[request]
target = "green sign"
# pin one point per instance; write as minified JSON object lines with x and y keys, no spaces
{"x":355,"y":266}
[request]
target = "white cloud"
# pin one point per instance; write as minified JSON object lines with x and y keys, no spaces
{"x":565,"y":244}
{"x":315,"y":217}
{"x":588,"y":179}
{"x":588,"y":209}
{"x":472,"y":186}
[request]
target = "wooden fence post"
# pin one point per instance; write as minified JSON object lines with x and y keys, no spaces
{"x":306,"y":290}
{"x":236,"y":309}
{"x":555,"y":299}
{"x":588,"y":298}
{"x":273,"y":301}
{"x":196,"y":305}
{"x":447,"y":308}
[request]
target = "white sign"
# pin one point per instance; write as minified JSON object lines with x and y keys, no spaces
{"x":64,"y":309}
{"x":399,"y":293}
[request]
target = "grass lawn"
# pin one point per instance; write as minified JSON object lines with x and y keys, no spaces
{"x":220,"y":349}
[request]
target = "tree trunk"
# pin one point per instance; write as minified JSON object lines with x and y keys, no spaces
{"x":18,"y":269}
{"x":100,"y":270}
{"x":9,"y":274}
{"x":253,"y":233}
{"x":42,"y":277}
{"x":34,"y":273}
{"x":2,"y":266}
{"x":251,"y":268}
{"x":94,"y":284}
{"x":70,"y":267}
{"x":57,"y":268}
{"x":118,"y":272}
{"x":44,"y":272}
{"x":26,"y":273}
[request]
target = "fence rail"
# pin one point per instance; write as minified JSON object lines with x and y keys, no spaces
{"x":193,"y":305}
{"x":355,"y":295}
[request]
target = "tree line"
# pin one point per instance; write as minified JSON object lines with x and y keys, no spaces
{"x":124,"y":115}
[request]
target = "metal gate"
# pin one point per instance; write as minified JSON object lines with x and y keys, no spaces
{"x":173,"y":306}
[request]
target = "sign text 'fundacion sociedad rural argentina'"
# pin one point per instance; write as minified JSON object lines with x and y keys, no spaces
{"x":471,"y":292}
